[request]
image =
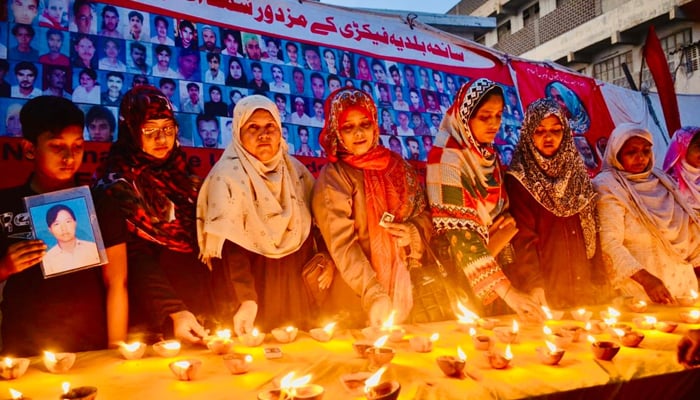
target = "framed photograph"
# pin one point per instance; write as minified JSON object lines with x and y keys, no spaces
{"x":66,"y":221}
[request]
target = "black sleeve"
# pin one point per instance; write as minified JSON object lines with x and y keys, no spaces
{"x":236,"y":262}
{"x":111,"y":219}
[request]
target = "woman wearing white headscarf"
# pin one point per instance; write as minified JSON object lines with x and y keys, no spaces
{"x":649,"y":233}
{"x":253,"y":216}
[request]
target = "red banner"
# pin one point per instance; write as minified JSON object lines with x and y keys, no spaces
{"x":580,"y":97}
{"x":658,"y":66}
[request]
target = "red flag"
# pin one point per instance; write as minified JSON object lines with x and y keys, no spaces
{"x":658,"y":66}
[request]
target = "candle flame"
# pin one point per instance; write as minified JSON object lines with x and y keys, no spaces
{"x":693,"y":294}
{"x":434,"y":337}
{"x":172,"y":345}
{"x":223,"y":334}
{"x":182,"y":364}
{"x":610,"y":321}
{"x":613,"y":312}
{"x":255,"y":332}
{"x":329,"y":328}
{"x":649,"y":319}
{"x":8,"y":362}
{"x":515,"y":326}
{"x":619,"y":332}
{"x":546,"y":330}
{"x":472,"y":332}
{"x":374,"y":379}
{"x":50,"y":356}
{"x":551,"y":346}
{"x":591,"y":339}
{"x":289,"y":329}
{"x":508,"y":355}
{"x":248,"y":358}
{"x":288,"y":381}
{"x":131,"y":347}
{"x":381,"y":341}
{"x":547,"y":312}
{"x":467,"y":316}
{"x":581,"y":311}
{"x":66,"y":387}
{"x":460,"y":353}
{"x":641,"y":303}
{"x":588,"y":326}
{"x":16,"y":394}
{"x":389,"y":323}
{"x":695,"y":314}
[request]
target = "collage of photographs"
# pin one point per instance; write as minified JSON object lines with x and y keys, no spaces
{"x":92,"y":53}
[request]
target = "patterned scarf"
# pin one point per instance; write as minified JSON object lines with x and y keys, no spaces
{"x":157,"y":196}
{"x":687,"y":176}
{"x":560,"y":183}
{"x":390,"y":185}
{"x":476,"y":194}
{"x":263,"y":207}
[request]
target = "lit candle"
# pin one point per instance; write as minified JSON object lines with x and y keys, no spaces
{"x":78,"y":393}
{"x":506,"y":334}
{"x":59,"y":362}
{"x":395,"y":332}
{"x":645,"y":322}
{"x":13,"y":368}
{"x":637,"y":306}
{"x":16,"y":395}
{"x":422,"y":344}
{"x":466,"y":319}
{"x":629,"y":339}
{"x":323,"y":334}
{"x":558,"y":339}
{"x":378,"y":354}
{"x":500,"y":361}
{"x":547,"y":312}
{"x":453,"y":366}
{"x":381,"y":391}
{"x":132,"y":351}
{"x":221,"y":343}
{"x":688,"y":301}
{"x":294,"y":389}
{"x":285,"y":335}
{"x":691,"y":317}
{"x":167,"y":348}
{"x":582,"y":315}
{"x":185,"y":370}
{"x":481,"y":342}
{"x":551,"y":355}
{"x":666,"y":326}
{"x":238,"y":363}
{"x":252,"y":339}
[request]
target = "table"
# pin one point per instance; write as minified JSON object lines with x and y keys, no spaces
{"x":650,"y":371}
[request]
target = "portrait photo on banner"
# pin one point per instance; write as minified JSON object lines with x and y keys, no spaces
{"x":66,"y":222}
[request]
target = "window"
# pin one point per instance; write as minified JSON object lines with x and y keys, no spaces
{"x":503,"y":30}
{"x":531,"y":13}
{"x":673,"y":44}
{"x":610,"y":70}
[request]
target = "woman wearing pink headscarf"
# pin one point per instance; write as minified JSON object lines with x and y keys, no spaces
{"x":682,"y":163}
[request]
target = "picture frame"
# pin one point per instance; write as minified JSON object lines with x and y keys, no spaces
{"x":66,"y":221}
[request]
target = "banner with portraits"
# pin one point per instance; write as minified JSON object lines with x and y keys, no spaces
{"x":206,"y":55}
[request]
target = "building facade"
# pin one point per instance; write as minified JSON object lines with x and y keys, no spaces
{"x":596,"y":37}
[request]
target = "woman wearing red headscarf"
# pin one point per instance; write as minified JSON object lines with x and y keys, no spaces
{"x":362,"y":182}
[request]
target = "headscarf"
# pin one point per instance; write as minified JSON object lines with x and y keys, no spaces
{"x":263,"y":207}
{"x":390,"y":185}
{"x":650,"y":194}
{"x":158,"y":196}
{"x":578,"y":118}
{"x":560,"y":183}
{"x":479,"y":196}
{"x":687,"y":176}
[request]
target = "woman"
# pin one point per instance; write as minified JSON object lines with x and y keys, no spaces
{"x":362,"y":182}
{"x":552,"y":201}
{"x":88,"y":91}
{"x":648,"y":231}
{"x":414,"y":97}
{"x":347,"y":70}
{"x":236,"y":74}
{"x":329,"y":59}
{"x":682,"y":163}
{"x":363,"y":72}
{"x":215,"y":105}
{"x":253,"y":218}
{"x":151,"y":190}
{"x":467,"y":198}
{"x":234,"y":97}
{"x":388,"y":127}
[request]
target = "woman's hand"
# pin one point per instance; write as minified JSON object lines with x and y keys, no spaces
{"x":523,"y":304}
{"x":405,"y":233}
{"x":379,"y":311}
{"x":689,"y":349}
{"x":244,"y":319}
{"x":655,"y":288}
{"x":22,"y":255}
{"x":501,"y":232}
{"x":187,"y":328}
{"x":538,"y":296}
{"x":326,"y":277}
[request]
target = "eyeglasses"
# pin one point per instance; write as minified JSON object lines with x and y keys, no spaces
{"x":167,"y":131}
